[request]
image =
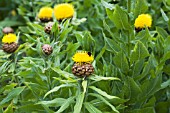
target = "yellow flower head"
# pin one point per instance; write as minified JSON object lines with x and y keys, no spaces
{"x":9,"y":38}
{"x":83,"y":56}
{"x":13,"y":12}
{"x":45,"y":12}
{"x":62,"y":11}
{"x":143,"y":20}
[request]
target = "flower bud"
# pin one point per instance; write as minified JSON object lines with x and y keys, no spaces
{"x":47,"y":49}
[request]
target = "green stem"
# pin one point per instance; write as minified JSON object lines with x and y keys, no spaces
{"x":15,"y":78}
{"x":49,"y":85}
{"x":79,"y":86}
{"x":129,"y":6}
{"x":129,"y":38}
{"x":48,"y":75}
{"x":129,"y":48}
{"x":86,"y":93}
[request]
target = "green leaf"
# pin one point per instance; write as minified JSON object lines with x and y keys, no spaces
{"x":30,"y":108}
{"x":111,"y":45}
{"x":71,"y":48}
{"x":14,"y":93}
{"x":36,"y":28}
{"x":65,"y":31}
{"x":165,"y":17}
{"x":138,"y":66}
{"x":55,"y":29}
{"x":91,"y":108}
{"x":144,"y":36}
{"x":10,"y":23}
{"x":48,"y":110}
{"x":79,"y":103}
{"x":166,"y":69}
{"x":132,"y":89}
{"x":63,"y":73}
{"x":4,"y":67}
{"x":66,"y":104}
{"x":26,"y":29}
{"x":116,"y":17}
{"x":105,"y":101}
{"x":140,"y":7}
{"x":97,"y":78}
{"x":36,"y":88}
{"x":149,"y":88}
{"x":53,"y":103}
{"x":162,"y":32}
{"x":108,"y":5}
{"x":143,"y":110}
{"x":162,"y":107}
{"x":121,"y":62}
{"x":159,"y":45}
{"x":58,"y":87}
{"x":84,"y":84}
{"x":115,"y":38}
{"x":139,"y":52}
{"x":101,"y":53}
{"x":166,"y":3}
{"x":165,"y":57}
{"x":165,"y":84}
{"x":150,"y":103}
{"x":167,"y":44}
{"x":147,"y":68}
{"x":64,"y":34}
{"x":1,"y":110}
{"x":9,"y":109}
{"x":86,"y":40}
{"x":103,"y":93}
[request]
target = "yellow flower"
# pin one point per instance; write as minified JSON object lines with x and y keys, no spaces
{"x":9,"y":38}
{"x":82,"y":56}
{"x":13,"y":12}
{"x":143,"y":20}
{"x":62,"y":11}
{"x":45,"y":12}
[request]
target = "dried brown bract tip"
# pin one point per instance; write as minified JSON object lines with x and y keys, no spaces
{"x":7,"y":30}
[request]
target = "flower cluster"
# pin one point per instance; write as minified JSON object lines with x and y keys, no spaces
{"x":61,"y":11}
